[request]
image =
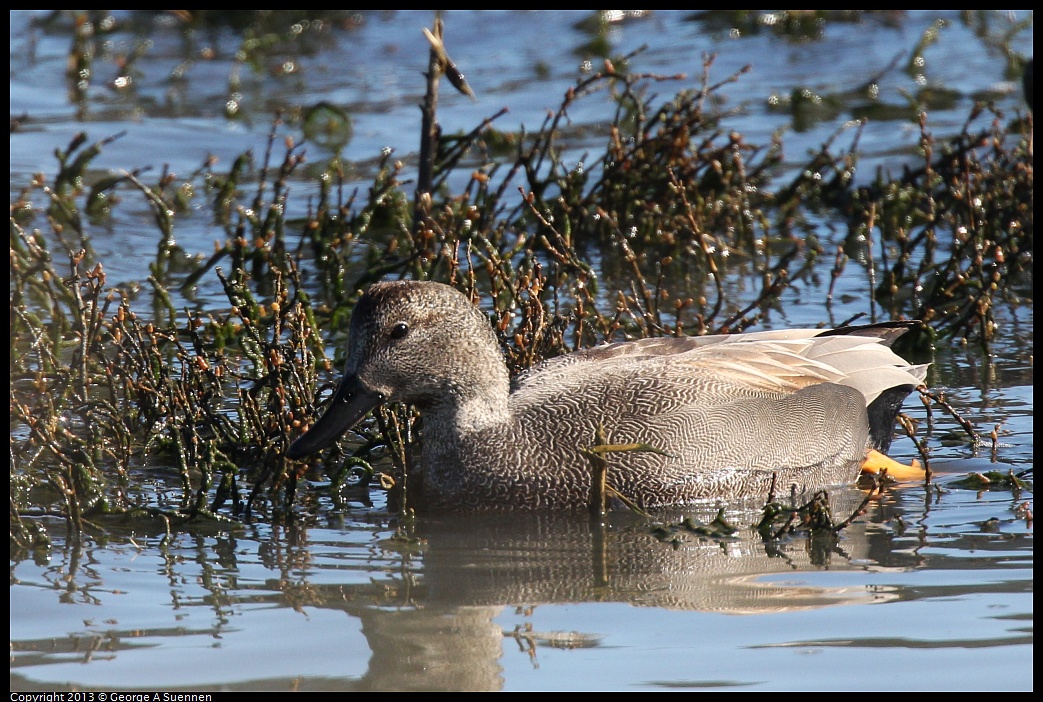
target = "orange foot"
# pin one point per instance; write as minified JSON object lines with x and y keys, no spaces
{"x":876,"y":462}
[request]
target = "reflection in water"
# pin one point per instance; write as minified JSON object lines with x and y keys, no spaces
{"x":441,"y":633}
{"x":428,"y":606}
{"x":354,"y":605}
{"x":546,"y":559}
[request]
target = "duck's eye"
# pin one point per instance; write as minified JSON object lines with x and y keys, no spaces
{"x":399,"y":330}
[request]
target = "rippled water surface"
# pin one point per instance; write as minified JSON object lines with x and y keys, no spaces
{"x":930,"y":589}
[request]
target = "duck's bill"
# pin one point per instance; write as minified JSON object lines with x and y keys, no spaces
{"x":351,"y":402}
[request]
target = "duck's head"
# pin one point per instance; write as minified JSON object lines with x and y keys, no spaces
{"x":417,"y":342}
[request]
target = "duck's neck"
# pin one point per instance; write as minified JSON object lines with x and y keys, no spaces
{"x":469,"y":408}
{"x":463,"y":433}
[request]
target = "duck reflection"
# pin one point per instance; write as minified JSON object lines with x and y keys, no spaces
{"x":432,"y":621}
{"x":434,"y":607}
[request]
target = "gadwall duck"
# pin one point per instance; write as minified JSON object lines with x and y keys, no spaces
{"x":730,"y":416}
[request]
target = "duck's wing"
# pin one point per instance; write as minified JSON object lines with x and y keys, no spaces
{"x":642,"y":350}
{"x":864,"y":363}
{"x":774,"y":361}
{"x":867,"y":363}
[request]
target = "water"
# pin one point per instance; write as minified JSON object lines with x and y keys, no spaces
{"x":931,"y":589}
{"x":933,"y":599}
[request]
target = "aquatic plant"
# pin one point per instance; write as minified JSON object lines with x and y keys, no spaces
{"x":110,"y":383}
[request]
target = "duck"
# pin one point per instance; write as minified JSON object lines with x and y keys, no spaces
{"x":723,"y":417}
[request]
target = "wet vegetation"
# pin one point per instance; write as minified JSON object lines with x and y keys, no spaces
{"x":109,"y":381}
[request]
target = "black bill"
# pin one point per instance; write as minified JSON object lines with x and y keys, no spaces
{"x":351,"y":402}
